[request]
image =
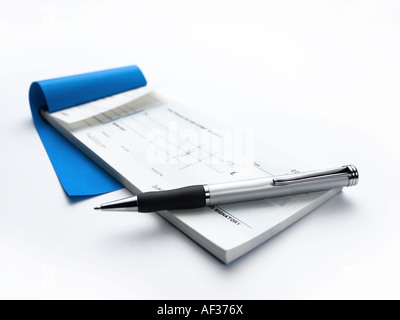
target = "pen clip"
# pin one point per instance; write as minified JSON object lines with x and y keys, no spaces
{"x":348,"y":171}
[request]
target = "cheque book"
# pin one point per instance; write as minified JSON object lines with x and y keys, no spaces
{"x":148,"y":142}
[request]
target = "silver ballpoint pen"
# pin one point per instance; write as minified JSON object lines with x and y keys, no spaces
{"x":240,"y":191}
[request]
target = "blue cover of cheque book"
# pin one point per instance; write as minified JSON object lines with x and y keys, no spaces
{"x":78,"y":175}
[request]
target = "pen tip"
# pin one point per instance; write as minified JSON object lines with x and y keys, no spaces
{"x":97,"y":208}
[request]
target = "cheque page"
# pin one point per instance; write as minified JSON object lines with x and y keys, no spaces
{"x":153,"y":145}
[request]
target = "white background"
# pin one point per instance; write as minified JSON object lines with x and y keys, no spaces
{"x":319,"y":79}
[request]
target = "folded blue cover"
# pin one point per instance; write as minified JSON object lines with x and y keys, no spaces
{"x":78,"y":175}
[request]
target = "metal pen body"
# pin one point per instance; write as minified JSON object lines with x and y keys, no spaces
{"x":263,"y":188}
{"x":240,"y":191}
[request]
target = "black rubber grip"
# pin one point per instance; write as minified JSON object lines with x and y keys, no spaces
{"x":183,"y":198}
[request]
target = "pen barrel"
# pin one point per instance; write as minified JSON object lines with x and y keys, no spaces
{"x":263,"y":188}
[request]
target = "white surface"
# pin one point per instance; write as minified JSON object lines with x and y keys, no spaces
{"x":319,"y":79}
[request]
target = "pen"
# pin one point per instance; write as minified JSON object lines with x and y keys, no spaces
{"x":240,"y":191}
